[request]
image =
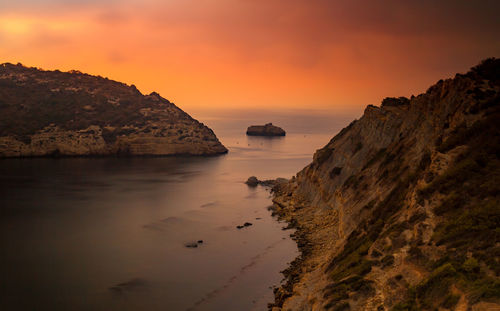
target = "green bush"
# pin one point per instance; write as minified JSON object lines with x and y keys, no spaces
{"x":484,"y":288}
{"x":488,"y":69}
{"x":478,"y":223}
{"x":395,"y":101}
{"x":471,"y":265}
{"x":436,"y":286}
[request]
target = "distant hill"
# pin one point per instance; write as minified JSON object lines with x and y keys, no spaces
{"x":401,"y":209}
{"x":47,"y":113}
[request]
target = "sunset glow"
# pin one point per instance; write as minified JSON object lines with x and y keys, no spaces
{"x":336,"y":55}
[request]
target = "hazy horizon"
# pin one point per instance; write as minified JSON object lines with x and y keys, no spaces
{"x":334,"y":55}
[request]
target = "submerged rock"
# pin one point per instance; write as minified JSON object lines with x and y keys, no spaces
{"x":130,"y":285}
{"x":191,"y":245}
{"x":246,"y":224}
{"x":265,"y":130}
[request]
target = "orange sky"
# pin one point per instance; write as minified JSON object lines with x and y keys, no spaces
{"x":314,"y":54}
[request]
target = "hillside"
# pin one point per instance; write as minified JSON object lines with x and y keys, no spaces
{"x":46,"y":113}
{"x":401,"y":209}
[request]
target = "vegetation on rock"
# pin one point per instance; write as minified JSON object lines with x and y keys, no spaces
{"x":401,"y":210}
{"x":91,"y":115}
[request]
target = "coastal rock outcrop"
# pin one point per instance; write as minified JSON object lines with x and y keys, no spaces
{"x":265,"y":130}
{"x":401,"y":209}
{"x":253,"y":181}
{"x":54,"y":113}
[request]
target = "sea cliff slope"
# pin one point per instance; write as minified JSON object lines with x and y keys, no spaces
{"x":54,"y":113}
{"x":401,"y":209}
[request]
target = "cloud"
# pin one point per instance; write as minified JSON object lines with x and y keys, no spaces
{"x":304,"y":32}
{"x":286,"y":51}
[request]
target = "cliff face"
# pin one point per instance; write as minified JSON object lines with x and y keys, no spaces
{"x":401,"y":209}
{"x":45,"y":113}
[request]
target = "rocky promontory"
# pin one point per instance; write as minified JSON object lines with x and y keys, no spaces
{"x":253,"y":182}
{"x":265,"y":130}
{"x":54,"y":113}
{"x":401,"y":209}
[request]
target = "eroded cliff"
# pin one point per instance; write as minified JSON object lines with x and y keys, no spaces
{"x":44,"y":113}
{"x":401,"y":209}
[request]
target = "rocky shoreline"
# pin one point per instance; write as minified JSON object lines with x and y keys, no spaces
{"x":57,"y":155}
{"x":253,"y":181}
{"x":292,"y":272}
{"x":285,"y":209}
{"x":65,"y":114}
{"x":398,"y":211}
{"x":282,"y":210}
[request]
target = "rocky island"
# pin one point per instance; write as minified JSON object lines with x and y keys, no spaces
{"x":401,"y":209}
{"x":265,"y":130}
{"x":54,"y":113}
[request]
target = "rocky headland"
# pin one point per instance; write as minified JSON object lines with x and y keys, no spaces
{"x":54,"y":113}
{"x":401,"y":209}
{"x":265,"y":130}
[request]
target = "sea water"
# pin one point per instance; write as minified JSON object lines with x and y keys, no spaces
{"x":111,"y":233}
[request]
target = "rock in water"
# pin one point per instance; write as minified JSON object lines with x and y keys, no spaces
{"x":246,"y":224}
{"x":252,"y":181}
{"x":265,"y":130}
{"x":54,"y":113}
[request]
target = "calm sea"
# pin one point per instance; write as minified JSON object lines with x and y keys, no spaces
{"x":110,"y":233}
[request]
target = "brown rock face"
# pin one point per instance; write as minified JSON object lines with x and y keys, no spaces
{"x":401,"y":209}
{"x":265,"y":130}
{"x":45,"y":113}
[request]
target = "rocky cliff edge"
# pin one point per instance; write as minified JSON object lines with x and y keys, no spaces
{"x":401,"y":209}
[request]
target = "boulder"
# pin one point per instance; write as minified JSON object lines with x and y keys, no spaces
{"x":246,"y":224}
{"x":265,"y":130}
{"x":252,"y":181}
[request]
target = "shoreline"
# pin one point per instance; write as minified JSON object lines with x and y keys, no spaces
{"x":293,"y":272}
{"x":116,"y":156}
